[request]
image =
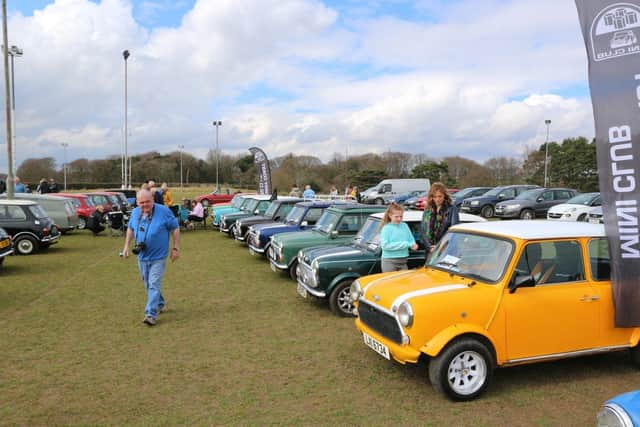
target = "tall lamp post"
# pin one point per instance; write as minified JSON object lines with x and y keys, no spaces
{"x":13,"y":52}
{"x":546,"y":154}
{"x":64,"y":165}
{"x":126,"y":164}
{"x":7,"y":101}
{"x":217,"y":124}
{"x":181,"y":147}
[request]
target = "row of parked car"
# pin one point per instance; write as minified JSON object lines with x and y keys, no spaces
{"x":31,"y":222}
{"x":469,"y":311}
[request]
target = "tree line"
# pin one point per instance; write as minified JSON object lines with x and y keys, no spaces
{"x":572,"y":163}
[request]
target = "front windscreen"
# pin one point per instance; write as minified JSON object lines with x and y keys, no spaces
{"x":472,"y":255}
{"x":272,"y":209}
{"x":295,"y":215}
{"x":582,"y":199}
{"x":237,"y":201}
{"x":37,"y":211}
{"x":369,"y":234}
{"x":327,"y":222}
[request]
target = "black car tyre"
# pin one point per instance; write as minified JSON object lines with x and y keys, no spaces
{"x":340,"y":299}
{"x":463,"y":370}
{"x":487,"y":211}
{"x":527,"y":214}
{"x":25,"y":245}
{"x":82,"y":223}
{"x":293,"y":270}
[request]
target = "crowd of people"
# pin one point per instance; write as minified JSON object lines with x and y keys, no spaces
{"x":44,"y":186}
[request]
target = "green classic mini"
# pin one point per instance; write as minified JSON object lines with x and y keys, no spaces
{"x":337,"y":226}
{"x":327,"y":272}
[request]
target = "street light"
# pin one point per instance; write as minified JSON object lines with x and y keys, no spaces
{"x":64,"y":165}
{"x":181,"y":147}
{"x":13,"y":51}
{"x":217,"y":124}
{"x":126,"y":164}
{"x":546,"y":154}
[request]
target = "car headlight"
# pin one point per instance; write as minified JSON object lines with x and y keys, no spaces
{"x":572,"y":210}
{"x":355,"y":291}
{"x":612,"y":415}
{"x":475,"y":202}
{"x":405,"y":314}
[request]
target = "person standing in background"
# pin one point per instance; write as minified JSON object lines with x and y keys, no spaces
{"x":395,"y":240}
{"x":167,"y":197}
{"x":18,"y":186}
{"x":53,"y":186}
{"x":308,"y":192}
{"x":439,"y":214}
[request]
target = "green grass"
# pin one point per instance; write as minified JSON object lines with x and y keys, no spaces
{"x":238,"y":346}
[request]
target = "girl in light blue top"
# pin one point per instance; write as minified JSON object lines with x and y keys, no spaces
{"x":395,"y":240}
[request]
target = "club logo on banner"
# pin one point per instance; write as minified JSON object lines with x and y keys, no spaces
{"x":264,"y":171}
{"x":611,"y":31}
{"x":613,"y":34}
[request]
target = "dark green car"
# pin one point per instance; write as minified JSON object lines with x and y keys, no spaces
{"x":337,"y":226}
{"x":327,"y":273}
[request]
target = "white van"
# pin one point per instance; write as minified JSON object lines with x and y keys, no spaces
{"x":390,"y":188}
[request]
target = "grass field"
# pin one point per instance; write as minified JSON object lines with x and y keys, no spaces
{"x":238,"y":346}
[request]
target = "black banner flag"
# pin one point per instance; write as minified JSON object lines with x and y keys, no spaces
{"x":264,"y":171}
{"x":611,"y":32}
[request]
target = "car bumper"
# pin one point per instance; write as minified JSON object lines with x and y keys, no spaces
{"x":313,"y":291}
{"x":507,"y":214}
{"x":50,"y":239}
{"x":470,"y":209}
{"x":561,"y":217}
{"x":401,"y":353}
{"x":5,"y":248}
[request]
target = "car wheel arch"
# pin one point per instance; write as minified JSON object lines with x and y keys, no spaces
{"x":26,"y":233}
{"x":351,"y":275}
{"x":456,"y":332}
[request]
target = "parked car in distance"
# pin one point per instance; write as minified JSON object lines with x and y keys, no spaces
{"x":465,"y":193}
{"x":238,"y":202}
{"x":402,"y":198}
{"x":388,"y":188}
{"x":471,"y":309}
{"x":6,"y":245}
{"x":214,"y":197}
{"x":533,"y":203}
{"x":411,"y":202}
{"x":575,"y":209}
{"x":257,"y":205}
{"x":277,"y":211}
{"x":326,"y":272}
{"x":596,"y":215}
{"x":130,"y":195}
{"x":83,"y":205}
{"x":337,"y":225}
{"x":485,"y":205}
{"x":303,"y":216}
{"x":620,"y":411}
{"x":60,"y":209}
{"x":119,"y":200}
{"x":98,"y":198}
{"x":28,"y":224}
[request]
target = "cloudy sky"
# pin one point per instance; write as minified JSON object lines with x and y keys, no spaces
{"x":439,"y":77}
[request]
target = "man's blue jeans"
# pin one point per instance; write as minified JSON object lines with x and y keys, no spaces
{"x":152,"y":272}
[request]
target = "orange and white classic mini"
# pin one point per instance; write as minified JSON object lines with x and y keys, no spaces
{"x":495,"y":294}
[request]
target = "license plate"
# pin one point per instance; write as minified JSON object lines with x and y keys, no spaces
{"x":273,"y":267}
{"x":302,"y":291}
{"x":376,"y":346}
{"x":252,"y":252}
{"x":4,"y":243}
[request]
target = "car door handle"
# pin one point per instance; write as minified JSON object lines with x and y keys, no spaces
{"x":590,"y":298}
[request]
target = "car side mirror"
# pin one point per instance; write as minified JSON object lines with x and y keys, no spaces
{"x":304,"y":224}
{"x":334,"y":234}
{"x":526,"y":281}
{"x":256,"y":212}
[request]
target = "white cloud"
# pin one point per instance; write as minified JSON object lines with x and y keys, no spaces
{"x":365,"y":84}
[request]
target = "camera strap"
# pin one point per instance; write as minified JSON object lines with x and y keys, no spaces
{"x":147,"y":226}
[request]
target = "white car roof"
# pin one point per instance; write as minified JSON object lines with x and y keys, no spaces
{"x":260,"y":196}
{"x":17,"y":202}
{"x":32,"y":196}
{"x":539,"y":229}
{"x":411,"y":215}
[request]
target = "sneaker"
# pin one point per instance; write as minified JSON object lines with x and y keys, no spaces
{"x":162,"y":309}
{"x":149,"y":320}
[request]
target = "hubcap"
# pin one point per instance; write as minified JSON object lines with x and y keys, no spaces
{"x":467,"y":372}
{"x":82,"y":223}
{"x":25,"y":246}
{"x":344,"y":301}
